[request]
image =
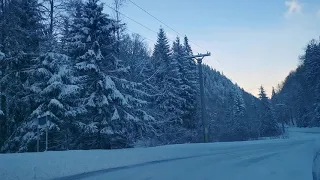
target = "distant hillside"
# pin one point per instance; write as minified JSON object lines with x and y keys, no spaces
{"x":233,"y":113}
{"x":298,"y":97}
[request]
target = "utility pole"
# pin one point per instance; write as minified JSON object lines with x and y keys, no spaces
{"x":199,"y":59}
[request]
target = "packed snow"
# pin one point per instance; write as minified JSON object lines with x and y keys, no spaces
{"x":262,"y":159}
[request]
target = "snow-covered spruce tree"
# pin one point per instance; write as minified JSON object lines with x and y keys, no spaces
{"x":164,"y":109}
{"x":168,"y":81}
{"x":185,"y":89}
{"x":161,"y":57}
{"x":160,"y":64}
{"x":254,"y":118}
{"x":20,"y":43}
{"x":312,"y":69}
{"x":173,"y":100}
{"x":240,"y":121}
{"x":3,"y":106}
{"x":23,"y":27}
{"x":189,"y":67}
{"x":269,"y":125}
{"x":75,"y":32}
{"x":112,"y":120}
{"x":55,"y":90}
{"x":190,"y":91}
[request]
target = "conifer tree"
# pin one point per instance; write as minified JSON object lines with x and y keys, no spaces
{"x":269,"y":126}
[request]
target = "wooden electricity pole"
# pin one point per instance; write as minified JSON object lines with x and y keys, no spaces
{"x":199,"y":58}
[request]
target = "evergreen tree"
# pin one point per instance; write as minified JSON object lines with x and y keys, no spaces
{"x":312,"y":65}
{"x":168,"y":79}
{"x":113,"y":119}
{"x":269,"y":125}
{"x":188,"y":86}
{"x":54,"y":91}
{"x":3,"y":106}
{"x":189,"y":66}
{"x":161,"y":56}
{"x":23,"y":27}
{"x":20,"y":43}
{"x":104,"y":89}
{"x":256,"y":122}
{"x":240,"y":125}
{"x":187,"y":47}
{"x":273,"y":92}
{"x":299,"y":91}
{"x":190,"y":77}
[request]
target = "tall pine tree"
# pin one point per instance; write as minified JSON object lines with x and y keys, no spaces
{"x":113,"y":119}
{"x":269,"y":126}
{"x":20,"y":42}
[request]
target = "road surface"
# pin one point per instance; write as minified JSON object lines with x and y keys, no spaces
{"x":278,"y":159}
{"x":284,"y":160}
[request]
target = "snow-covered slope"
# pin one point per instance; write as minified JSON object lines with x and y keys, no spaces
{"x":242,"y":155}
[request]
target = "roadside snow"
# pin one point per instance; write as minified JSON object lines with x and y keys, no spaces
{"x":47,"y":165}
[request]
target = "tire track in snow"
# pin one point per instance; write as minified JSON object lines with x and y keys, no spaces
{"x":245,"y":150}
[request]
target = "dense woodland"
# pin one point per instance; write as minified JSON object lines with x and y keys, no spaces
{"x":297,"y":99}
{"x":103,"y":88}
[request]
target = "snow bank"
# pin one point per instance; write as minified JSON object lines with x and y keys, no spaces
{"x":47,"y":165}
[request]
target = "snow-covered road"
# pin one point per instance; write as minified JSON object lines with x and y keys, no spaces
{"x":254,"y":162}
{"x":251,"y":160}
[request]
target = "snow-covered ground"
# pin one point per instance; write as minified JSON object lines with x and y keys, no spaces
{"x":263,"y":159}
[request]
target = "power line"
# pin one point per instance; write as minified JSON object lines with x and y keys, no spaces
{"x":131,"y":19}
{"x":165,"y":24}
{"x":142,"y":36}
{"x":137,"y":23}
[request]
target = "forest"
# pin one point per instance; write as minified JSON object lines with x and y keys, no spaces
{"x":103,"y":88}
{"x":297,"y":98}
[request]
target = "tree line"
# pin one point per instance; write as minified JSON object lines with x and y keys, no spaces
{"x":103,"y":88}
{"x":297,"y":99}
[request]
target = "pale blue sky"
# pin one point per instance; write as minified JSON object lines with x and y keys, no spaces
{"x":252,"y":42}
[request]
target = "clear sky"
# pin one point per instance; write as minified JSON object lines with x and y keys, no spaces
{"x":253,"y":42}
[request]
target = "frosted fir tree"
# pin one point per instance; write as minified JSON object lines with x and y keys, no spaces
{"x":240,"y":123}
{"x":75,"y":32}
{"x":3,"y":107}
{"x":255,"y":119}
{"x":21,"y":36}
{"x":187,"y":47}
{"x":273,"y":93}
{"x":172,"y":100}
{"x":54,"y":91}
{"x":189,"y":66}
{"x":311,"y":74}
{"x":21,"y":45}
{"x":188,"y":71}
{"x":166,"y":81}
{"x":188,"y":88}
{"x":161,"y":56}
{"x":239,"y":105}
{"x":269,"y":126}
{"x":98,"y":91}
{"x":115,"y":118}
